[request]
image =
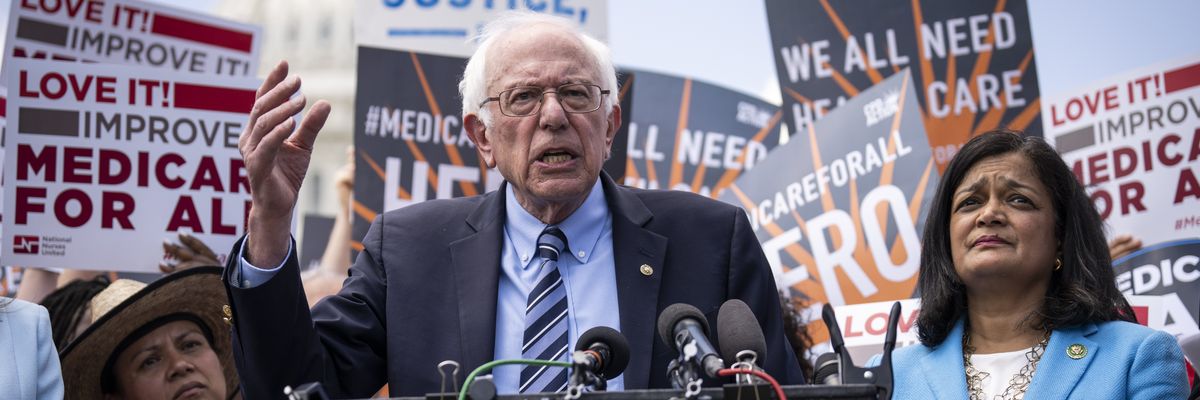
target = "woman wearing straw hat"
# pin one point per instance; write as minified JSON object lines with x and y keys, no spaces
{"x":162,"y":340}
{"x":28,"y":364}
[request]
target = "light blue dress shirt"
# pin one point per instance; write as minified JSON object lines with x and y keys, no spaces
{"x":588,"y":274}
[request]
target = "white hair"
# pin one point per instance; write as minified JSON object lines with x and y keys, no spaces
{"x":473,"y":87}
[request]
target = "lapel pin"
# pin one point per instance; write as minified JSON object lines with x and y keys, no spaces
{"x":1076,"y":351}
{"x":647,"y":270}
{"x":228,"y":314}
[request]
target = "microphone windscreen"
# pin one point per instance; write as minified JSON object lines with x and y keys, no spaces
{"x":826,"y":368}
{"x":617,"y":345}
{"x":672,"y":315}
{"x":738,"y":330}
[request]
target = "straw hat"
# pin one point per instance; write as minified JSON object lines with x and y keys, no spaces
{"x":127,"y":305}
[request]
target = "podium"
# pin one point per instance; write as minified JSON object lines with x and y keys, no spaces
{"x":729,"y":392}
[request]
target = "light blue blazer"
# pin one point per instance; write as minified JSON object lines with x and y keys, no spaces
{"x":1123,"y":361}
{"x":28,"y":359}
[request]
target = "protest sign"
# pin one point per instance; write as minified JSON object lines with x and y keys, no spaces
{"x":1167,"y":271}
{"x":106,"y":161}
{"x":1134,"y":142}
{"x":839,"y":208}
{"x":973,"y":62}
{"x":864,"y":327}
{"x":409,"y":136}
{"x":694,"y":136}
{"x":447,"y":27}
{"x":131,"y":32}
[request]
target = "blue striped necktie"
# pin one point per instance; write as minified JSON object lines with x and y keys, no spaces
{"x":546,"y":319}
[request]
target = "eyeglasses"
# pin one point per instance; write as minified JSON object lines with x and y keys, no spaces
{"x":524,"y":101}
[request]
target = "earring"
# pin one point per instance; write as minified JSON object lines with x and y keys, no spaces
{"x":1057,"y":264}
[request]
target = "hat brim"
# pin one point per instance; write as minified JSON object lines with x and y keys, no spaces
{"x":197,"y":291}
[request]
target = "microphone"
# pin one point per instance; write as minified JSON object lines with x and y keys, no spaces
{"x":602,"y":351}
{"x":826,"y":372}
{"x":681,"y":325}
{"x":739,"y":331}
{"x":847,"y":373}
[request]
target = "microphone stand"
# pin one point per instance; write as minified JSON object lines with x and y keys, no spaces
{"x":880,"y":375}
{"x":684,"y":372}
{"x":582,"y":377}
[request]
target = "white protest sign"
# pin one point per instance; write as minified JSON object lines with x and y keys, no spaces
{"x":444,"y":27}
{"x":107,"y":161}
{"x":864,"y":326}
{"x":1163,"y":312}
{"x":1134,"y":142}
{"x":133,"y":33}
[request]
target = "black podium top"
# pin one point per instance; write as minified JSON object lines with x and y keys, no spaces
{"x":805,"y":392}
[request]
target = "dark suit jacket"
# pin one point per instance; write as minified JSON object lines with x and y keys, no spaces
{"x":424,"y":290}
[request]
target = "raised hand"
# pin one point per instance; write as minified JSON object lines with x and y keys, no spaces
{"x":189,"y":254}
{"x":1123,"y":245}
{"x":277,"y":154}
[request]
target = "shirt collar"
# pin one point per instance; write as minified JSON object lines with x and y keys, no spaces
{"x":583,"y":227}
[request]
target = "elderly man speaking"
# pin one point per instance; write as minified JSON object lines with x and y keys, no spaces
{"x":517,"y":273}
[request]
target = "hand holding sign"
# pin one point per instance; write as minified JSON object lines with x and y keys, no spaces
{"x":190,"y":253}
{"x":277,"y":156}
{"x":1123,"y":245}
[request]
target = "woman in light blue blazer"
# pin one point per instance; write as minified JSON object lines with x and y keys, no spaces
{"x":28,"y":359}
{"x":1018,"y":297}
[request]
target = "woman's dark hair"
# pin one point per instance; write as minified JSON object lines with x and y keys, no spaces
{"x":66,"y":305}
{"x":1083,"y":291}
{"x":796,"y":330}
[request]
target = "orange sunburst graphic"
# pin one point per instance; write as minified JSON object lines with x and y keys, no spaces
{"x":795,"y":255}
{"x":702,"y":175}
{"x":962,"y":122}
{"x":366,"y":212}
{"x":685,"y":106}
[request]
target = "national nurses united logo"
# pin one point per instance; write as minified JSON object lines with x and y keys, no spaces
{"x":23,"y":244}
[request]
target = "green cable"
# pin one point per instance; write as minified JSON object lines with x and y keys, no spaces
{"x":462,"y":394}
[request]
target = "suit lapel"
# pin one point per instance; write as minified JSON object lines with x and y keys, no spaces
{"x":475,"y":264}
{"x":637,"y":293}
{"x":943,"y":367}
{"x":1057,"y":373}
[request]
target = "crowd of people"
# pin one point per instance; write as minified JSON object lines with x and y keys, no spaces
{"x":1018,"y":294}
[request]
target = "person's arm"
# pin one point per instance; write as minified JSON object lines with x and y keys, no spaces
{"x":72,"y":275}
{"x":1158,"y":370}
{"x":336,"y":259}
{"x":1123,"y":245}
{"x":277,"y":342}
{"x":326,"y":279}
{"x":36,"y":283}
{"x":751,"y":281}
{"x":49,"y":375}
{"x":277,"y":153}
